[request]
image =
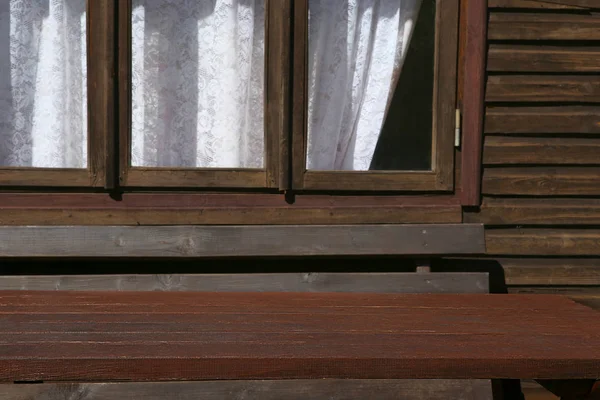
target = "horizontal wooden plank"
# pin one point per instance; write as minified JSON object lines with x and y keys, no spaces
{"x":540,"y":150}
{"x":507,"y":211}
{"x":543,"y":242}
{"x":588,"y":296}
{"x":228,"y":241}
{"x":323,"y":389}
{"x":542,"y":181}
{"x":543,"y":26}
{"x":530,"y":58}
{"x":543,"y":88}
{"x":536,"y":4}
{"x":165,"y":336}
{"x":372,"y":282}
{"x":551,"y":271}
{"x":564,"y":119}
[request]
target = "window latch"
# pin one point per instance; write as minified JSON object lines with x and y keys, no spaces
{"x":457,"y":128}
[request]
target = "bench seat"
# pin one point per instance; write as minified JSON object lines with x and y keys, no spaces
{"x":165,"y":336}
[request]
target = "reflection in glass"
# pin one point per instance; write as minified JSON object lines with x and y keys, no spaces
{"x":198,"y":83}
{"x":359,"y":53}
{"x":43,"y":96}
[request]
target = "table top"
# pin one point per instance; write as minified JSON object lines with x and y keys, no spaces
{"x":159,"y":336}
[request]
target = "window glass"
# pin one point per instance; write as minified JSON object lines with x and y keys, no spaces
{"x":43,"y":96}
{"x":370,"y":83}
{"x":198,"y":83}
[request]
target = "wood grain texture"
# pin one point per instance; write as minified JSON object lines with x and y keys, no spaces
{"x":529,"y":58}
{"x":508,"y":150}
{"x":323,"y":389}
{"x":222,"y":209}
{"x":546,"y":211}
{"x":543,"y":26}
{"x":543,"y":242}
{"x":228,"y":241}
{"x":537,"y":4}
{"x":554,"y":119}
{"x":551,"y":271}
{"x":543,"y":88}
{"x":473,"y":103}
{"x":287,"y":282}
{"x":542,"y":181}
{"x":200,"y":336}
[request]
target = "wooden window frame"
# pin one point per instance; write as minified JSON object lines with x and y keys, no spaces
{"x":441,"y":177}
{"x":100,"y":86}
{"x":73,"y":204}
{"x":277,"y":19}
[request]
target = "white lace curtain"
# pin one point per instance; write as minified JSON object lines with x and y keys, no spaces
{"x":43,"y":102}
{"x":198,"y":81}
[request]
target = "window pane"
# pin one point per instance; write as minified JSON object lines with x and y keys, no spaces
{"x":43,"y":96}
{"x":198,"y":83}
{"x":370,"y":84}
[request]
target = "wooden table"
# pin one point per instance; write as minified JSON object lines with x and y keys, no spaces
{"x":164,"y":336}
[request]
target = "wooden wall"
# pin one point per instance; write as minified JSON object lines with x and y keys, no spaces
{"x":541,"y":175}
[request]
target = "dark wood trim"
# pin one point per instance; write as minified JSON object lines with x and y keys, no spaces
{"x":232,"y":241}
{"x":277,"y":29}
{"x":441,"y":178}
{"x":473,"y":102}
{"x":100,"y":87}
{"x":222,"y":209}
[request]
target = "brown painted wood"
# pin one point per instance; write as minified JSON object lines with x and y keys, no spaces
{"x":529,"y":58}
{"x":473,"y":100}
{"x":543,"y":88}
{"x":293,"y":336}
{"x":555,"y":119}
{"x":524,"y":211}
{"x":551,"y":271}
{"x":275,"y":282}
{"x":222,"y":209}
{"x":543,"y":26}
{"x":320,"y":389}
{"x":535,"y":4}
{"x":542,"y":181}
{"x":230,"y":241}
{"x":543,"y":242}
{"x":540,"y":150}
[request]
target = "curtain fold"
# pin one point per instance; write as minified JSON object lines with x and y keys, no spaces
{"x":198,"y":81}
{"x":43,"y":96}
{"x":356,"y":51}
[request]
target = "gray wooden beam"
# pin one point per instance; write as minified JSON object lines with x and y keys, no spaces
{"x":327,"y":389}
{"x":397,"y":282}
{"x":227,"y":241}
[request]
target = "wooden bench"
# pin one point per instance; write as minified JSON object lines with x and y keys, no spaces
{"x":178,"y":336}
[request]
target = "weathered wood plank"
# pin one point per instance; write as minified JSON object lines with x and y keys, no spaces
{"x":543,"y":88}
{"x":565,"y":119}
{"x":543,"y":26}
{"x":542,"y":181}
{"x":551,"y":271}
{"x":542,"y":4}
{"x":543,"y":242}
{"x":528,"y":58}
{"x":91,"y":336}
{"x":323,"y":389}
{"x":540,"y":150}
{"x":227,"y":241}
{"x":283,"y":282}
{"x":507,"y":211}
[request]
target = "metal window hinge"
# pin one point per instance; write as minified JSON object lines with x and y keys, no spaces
{"x":457,"y":129}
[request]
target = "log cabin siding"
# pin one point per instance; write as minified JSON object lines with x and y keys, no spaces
{"x":541,"y":164}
